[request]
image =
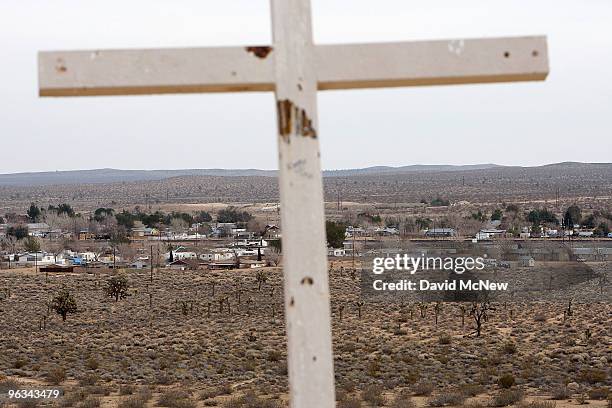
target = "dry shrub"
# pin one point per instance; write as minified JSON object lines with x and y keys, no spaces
{"x":599,"y":393}
{"x":212,"y":392}
{"x":91,"y":402}
{"x":137,"y":401}
{"x":92,"y":364}
{"x":592,"y":376}
{"x":446,"y":399}
{"x":9,"y":384}
{"x":20,"y":363}
{"x":473,"y":404}
{"x":164,"y":378}
{"x":373,"y":368}
{"x":373,"y":394}
{"x":509,"y":347}
{"x":471,"y":390}
{"x":98,"y":390}
{"x":250,"y":400}
{"x":560,"y":393}
{"x":170,"y":398}
{"x":350,"y":403}
{"x":88,"y":380}
{"x":537,"y":404}
{"x":507,"y":397}
{"x":126,"y":390}
{"x":274,"y":355}
{"x":28,"y":403}
{"x":539,"y":317}
{"x":70,"y":400}
{"x":403,"y":400}
{"x":133,"y":402}
{"x":56,"y":375}
{"x":506,"y":381}
{"x":423,"y":389}
{"x":445,"y":338}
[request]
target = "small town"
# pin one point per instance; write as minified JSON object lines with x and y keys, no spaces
{"x":58,"y":238}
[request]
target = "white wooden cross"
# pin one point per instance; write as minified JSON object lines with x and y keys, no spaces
{"x":295,"y":69}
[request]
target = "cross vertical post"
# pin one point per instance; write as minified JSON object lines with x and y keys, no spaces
{"x":307,"y":307}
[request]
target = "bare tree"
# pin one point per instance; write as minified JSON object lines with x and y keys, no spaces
{"x":480,"y":309}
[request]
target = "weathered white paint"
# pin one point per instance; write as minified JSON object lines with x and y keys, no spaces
{"x":307,"y":305}
{"x":235,"y":69}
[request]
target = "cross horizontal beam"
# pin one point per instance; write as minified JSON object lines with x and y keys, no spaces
{"x":249,"y":69}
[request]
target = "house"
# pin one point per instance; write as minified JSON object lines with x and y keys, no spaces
{"x":387,"y":231}
{"x":182,"y":253}
{"x":178,"y":265}
{"x":249,"y":243}
{"x":139,"y":264}
{"x":38,"y":258}
{"x":87,"y":256}
{"x":252,"y":264}
{"x":248,"y":252}
{"x":490,"y":233}
{"x":138,"y":233}
{"x":38,"y":229}
{"x":222,"y":265}
{"x":336,"y":252}
{"x":272,"y":232}
{"x":526,"y":261}
{"x":354,"y":231}
{"x":552,"y":233}
{"x":441,"y":232}
{"x":85,"y":235}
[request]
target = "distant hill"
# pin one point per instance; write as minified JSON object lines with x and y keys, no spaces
{"x":116,"y":175}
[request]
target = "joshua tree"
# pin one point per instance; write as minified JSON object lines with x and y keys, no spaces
{"x":184,"y":308}
{"x":221,"y":301}
{"x":249,"y":302}
{"x":359,"y":306}
{"x":437,"y":311}
{"x":423,"y":309}
{"x":261,"y":277}
{"x":463,"y":310}
{"x":64,"y":303}
{"x":117,"y":287}
{"x":568,"y":312}
{"x":227,"y":302}
{"x":480,"y":308}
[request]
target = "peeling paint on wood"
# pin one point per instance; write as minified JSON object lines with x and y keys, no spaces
{"x":260,"y":51}
{"x":293,"y":119}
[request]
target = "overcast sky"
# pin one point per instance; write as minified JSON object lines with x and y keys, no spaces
{"x":566,"y":118}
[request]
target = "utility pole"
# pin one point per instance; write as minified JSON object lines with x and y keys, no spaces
{"x":151,"y":262}
{"x":353,"y":250}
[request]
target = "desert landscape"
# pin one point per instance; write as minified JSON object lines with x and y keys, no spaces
{"x":195,"y":336}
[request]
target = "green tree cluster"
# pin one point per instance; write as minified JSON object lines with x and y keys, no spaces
{"x":335,"y":232}
{"x":231,"y":214}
